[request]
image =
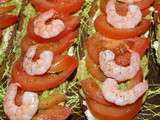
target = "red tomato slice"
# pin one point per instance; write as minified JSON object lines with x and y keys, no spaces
{"x":92,"y":90}
{"x":41,"y":82}
{"x":6,"y":9}
{"x":71,"y":22}
{"x":99,"y":43}
{"x":139,"y":45}
{"x":51,"y":100}
{"x":122,"y":8}
{"x":55,"y":113}
{"x":107,"y":30}
{"x":7,"y":20}
{"x":64,"y":6}
{"x":57,"y":47}
{"x":94,"y":69}
{"x":59,"y":65}
{"x":106,"y":112}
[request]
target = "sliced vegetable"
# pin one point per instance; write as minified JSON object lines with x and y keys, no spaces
{"x":99,"y":43}
{"x":106,"y":112}
{"x":107,"y":30}
{"x":55,"y":113}
{"x":61,"y":63}
{"x":64,"y":6}
{"x":71,"y":22}
{"x":41,"y":82}
{"x":7,"y":20}
{"x":93,"y":91}
{"x":51,"y":100}
{"x":57,"y":47}
{"x":6,"y":9}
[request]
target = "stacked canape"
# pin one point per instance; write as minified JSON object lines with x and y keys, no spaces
{"x":44,"y":64}
{"x":115,"y":85}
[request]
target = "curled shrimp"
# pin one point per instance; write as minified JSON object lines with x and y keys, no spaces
{"x":129,"y":1}
{"x":55,"y":27}
{"x":29,"y":104}
{"x":40,"y":66}
{"x":113,"y":70}
{"x":112,"y":94}
{"x":132,"y":18}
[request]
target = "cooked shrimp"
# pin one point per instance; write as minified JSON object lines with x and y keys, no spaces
{"x":51,"y":30}
{"x":24,"y":112}
{"x":129,"y":1}
{"x":132,"y":18}
{"x":113,"y":70}
{"x":40,"y":66}
{"x":112,"y":94}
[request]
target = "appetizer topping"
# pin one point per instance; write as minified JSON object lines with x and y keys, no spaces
{"x":52,"y":29}
{"x":26,"y":110}
{"x":129,"y":1}
{"x":115,"y":33}
{"x":118,"y":72}
{"x":131,"y":20}
{"x":112,"y":94}
{"x":40,"y":66}
{"x":42,"y":82}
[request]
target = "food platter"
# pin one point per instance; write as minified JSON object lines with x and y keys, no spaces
{"x":10,"y":51}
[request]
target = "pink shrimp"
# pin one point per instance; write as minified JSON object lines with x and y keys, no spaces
{"x":39,"y":67}
{"x":133,"y":17}
{"x":112,"y":94}
{"x":113,"y":70}
{"x":29,"y":104}
{"x":51,"y":30}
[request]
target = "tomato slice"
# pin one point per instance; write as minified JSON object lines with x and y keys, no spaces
{"x":56,"y":47}
{"x":104,"y":112}
{"x":60,"y":64}
{"x":122,"y":8}
{"x":99,"y":43}
{"x":64,"y":6}
{"x":41,"y":82}
{"x":92,"y":90}
{"x":7,"y":20}
{"x":51,"y":100}
{"x":140,"y":45}
{"x":55,"y":113}
{"x":94,"y":69}
{"x":6,"y":9}
{"x":107,"y":30}
{"x":71,"y":22}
